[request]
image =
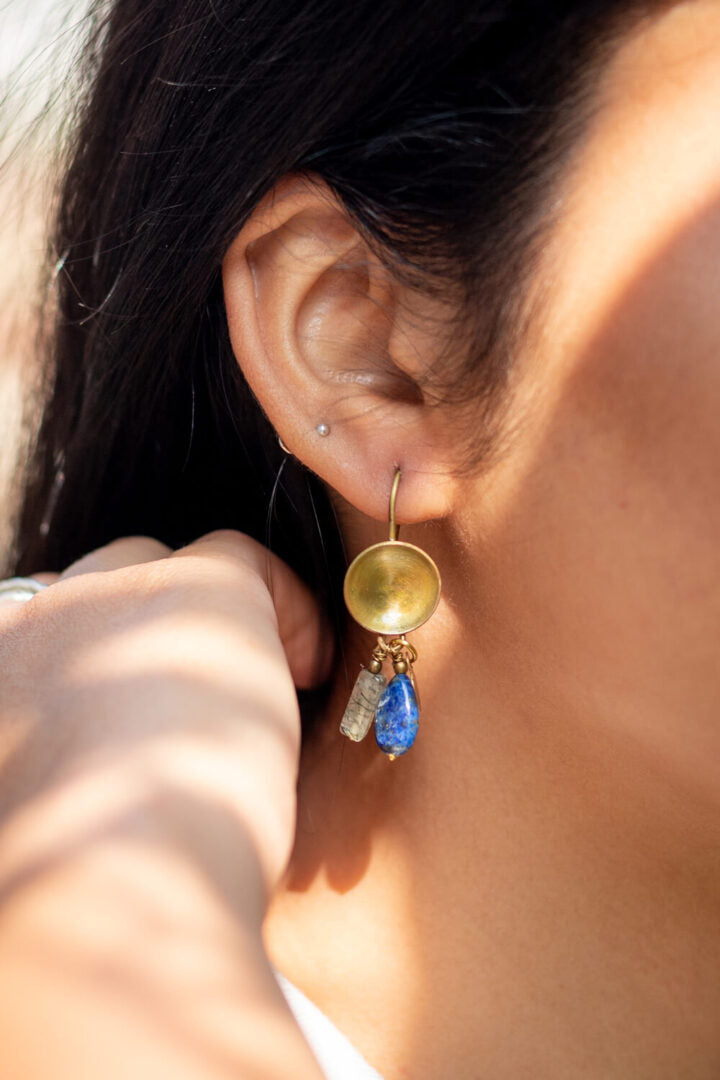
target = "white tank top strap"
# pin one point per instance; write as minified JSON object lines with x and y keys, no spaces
{"x":335,"y":1054}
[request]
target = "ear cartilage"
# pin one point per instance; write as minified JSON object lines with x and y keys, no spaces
{"x":323,"y":429}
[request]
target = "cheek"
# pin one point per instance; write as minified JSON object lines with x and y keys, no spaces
{"x":607,"y":544}
{"x":639,"y":413}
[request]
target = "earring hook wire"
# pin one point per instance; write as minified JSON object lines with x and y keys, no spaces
{"x":394,"y":528}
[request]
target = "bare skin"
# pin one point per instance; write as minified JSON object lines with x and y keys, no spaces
{"x":149,"y":754}
{"x":534,"y":890}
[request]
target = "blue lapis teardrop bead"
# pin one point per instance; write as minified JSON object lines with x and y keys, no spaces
{"x":396,"y":719}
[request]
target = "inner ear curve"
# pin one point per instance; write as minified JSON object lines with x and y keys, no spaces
{"x":345,"y":327}
{"x":316,"y":230}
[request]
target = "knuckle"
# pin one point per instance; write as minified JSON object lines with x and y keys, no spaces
{"x":228,"y":542}
{"x":247,"y":555}
{"x":125,"y":551}
{"x":221,"y":536}
{"x":147,"y":546}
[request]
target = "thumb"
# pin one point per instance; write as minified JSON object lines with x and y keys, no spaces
{"x":302,"y":626}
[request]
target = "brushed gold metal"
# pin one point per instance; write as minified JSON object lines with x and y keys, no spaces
{"x":392,"y":587}
{"x":394,"y":529}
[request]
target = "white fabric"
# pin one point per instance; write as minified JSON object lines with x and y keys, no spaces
{"x":336,"y":1055}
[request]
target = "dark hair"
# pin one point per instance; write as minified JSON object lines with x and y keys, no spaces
{"x":441,"y":126}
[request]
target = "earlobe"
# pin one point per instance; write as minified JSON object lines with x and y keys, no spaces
{"x":313,"y":319}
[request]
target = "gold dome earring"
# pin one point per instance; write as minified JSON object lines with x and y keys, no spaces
{"x":390,"y":589}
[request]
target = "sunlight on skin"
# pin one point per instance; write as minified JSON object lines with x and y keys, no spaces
{"x":558,"y":813}
{"x":641,"y":131}
{"x":160,"y":735}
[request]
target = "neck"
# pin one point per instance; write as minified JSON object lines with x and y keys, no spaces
{"x":523,"y":893}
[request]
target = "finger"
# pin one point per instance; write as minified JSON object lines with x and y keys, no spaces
{"x":128,"y":551}
{"x":45,"y":577}
{"x":302,"y":626}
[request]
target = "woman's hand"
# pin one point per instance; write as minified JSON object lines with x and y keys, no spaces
{"x":148,"y":756}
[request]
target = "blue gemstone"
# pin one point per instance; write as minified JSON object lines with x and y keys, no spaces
{"x":396,"y":719}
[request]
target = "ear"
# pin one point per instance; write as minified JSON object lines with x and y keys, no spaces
{"x":325,"y":336}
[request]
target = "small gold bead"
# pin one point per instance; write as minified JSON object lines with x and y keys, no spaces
{"x":375,"y":666}
{"x":391,"y":757}
{"x":400,"y":666}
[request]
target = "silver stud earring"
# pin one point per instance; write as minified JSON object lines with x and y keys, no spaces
{"x":323,"y":429}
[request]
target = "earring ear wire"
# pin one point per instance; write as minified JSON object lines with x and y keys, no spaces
{"x":390,"y":588}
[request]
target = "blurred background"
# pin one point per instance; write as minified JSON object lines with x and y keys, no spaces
{"x":38,"y":42}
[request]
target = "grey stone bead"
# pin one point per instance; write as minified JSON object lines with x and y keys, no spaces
{"x":360,"y":712}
